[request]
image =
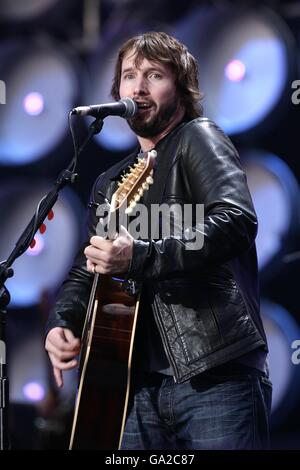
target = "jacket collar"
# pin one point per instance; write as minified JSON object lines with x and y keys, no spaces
{"x":116,"y":170}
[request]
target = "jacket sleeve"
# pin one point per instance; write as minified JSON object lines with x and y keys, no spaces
{"x":229,"y":226}
{"x":72,"y":300}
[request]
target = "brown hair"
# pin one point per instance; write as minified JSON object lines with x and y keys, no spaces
{"x":160,"y":47}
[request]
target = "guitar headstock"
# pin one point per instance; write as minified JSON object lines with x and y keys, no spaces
{"x":134,"y":184}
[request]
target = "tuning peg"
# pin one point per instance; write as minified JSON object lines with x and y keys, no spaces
{"x":145,"y":186}
{"x":149,"y":180}
{"x":128,"y":210}
{"x":137,"y":197}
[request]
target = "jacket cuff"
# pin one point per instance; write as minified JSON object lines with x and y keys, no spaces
{"x":63,"y":324}
{"x":65,"y":318}
{"x":140,"y":255}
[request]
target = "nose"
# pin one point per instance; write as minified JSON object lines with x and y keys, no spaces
{"x":140,"y":86}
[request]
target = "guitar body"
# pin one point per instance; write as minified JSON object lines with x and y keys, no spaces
{"x":105,"y":365}
{"x":108,"y":335}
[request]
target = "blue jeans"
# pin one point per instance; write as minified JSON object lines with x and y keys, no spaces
{"x":227,"y":407}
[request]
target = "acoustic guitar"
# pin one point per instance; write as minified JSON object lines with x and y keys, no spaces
{"x":108,"y":336}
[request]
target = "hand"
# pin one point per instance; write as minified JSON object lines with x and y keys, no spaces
{"x":62,"y":347}
{"x":110,"y":256}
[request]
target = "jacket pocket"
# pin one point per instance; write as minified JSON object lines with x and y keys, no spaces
{"x":201,"y":318}
{"x":230,"y":312}
{"x":189,"y":321}
{"x":197,"y":330}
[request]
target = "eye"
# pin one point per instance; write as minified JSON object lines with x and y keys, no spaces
{"x":128,"y":76}
{"x":156,"y":75}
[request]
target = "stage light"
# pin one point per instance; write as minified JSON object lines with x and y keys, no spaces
{"x":275,"y":194}
{"x":34,"y":391}
{"x":42,"y":83}
{"x":235,"y":70}
{"x":281,"y":330}
{"x":33,"y":103}
{"x":44,"y":266}
{"x":246,"y":61}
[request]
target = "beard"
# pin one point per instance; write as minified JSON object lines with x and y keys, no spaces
{"x":156,"y":123}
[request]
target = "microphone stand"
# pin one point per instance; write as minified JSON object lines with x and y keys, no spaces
{"x":44,"y":207}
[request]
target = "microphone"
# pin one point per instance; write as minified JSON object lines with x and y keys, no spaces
{"x":125,"y":108}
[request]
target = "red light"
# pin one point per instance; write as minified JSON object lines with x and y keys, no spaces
{"x":42,"y":228}
{"x":32,"y":244}
{"x":50,"y":215}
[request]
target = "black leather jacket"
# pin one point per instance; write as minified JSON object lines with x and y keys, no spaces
{"x":206,"y":301}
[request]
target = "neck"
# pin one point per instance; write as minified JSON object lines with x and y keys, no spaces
{"x":148,"y":143}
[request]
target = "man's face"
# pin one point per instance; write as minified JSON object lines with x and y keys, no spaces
{"x":152,"y":86}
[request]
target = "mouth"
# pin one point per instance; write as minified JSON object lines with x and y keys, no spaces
{"x":143,"y":105}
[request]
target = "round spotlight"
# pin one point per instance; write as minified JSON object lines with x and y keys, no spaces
{"x":275,"y":194}
{"x":235,"y":70}
{"x":34,"y":391}
{"x":33,"y":103}
{"x":245,"y":61}
{"x":44,"y":266}
{"x":116,"y":134}
{"x":281,"y":330}
{"x":41,"y":88}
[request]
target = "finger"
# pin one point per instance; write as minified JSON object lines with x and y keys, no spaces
{"x":62,"y":355}
{"x":95,"y":254}
{"x":58,"y":377}
{"x":62,"y":365}
{"x":56,"y":344}
{"x":56,"y":337}
{"x":99,"y":264}
{"x":90,"y":266}
{"x":100,"y":242}
{"x":123,"y":232}
{"x":69,"y":335}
